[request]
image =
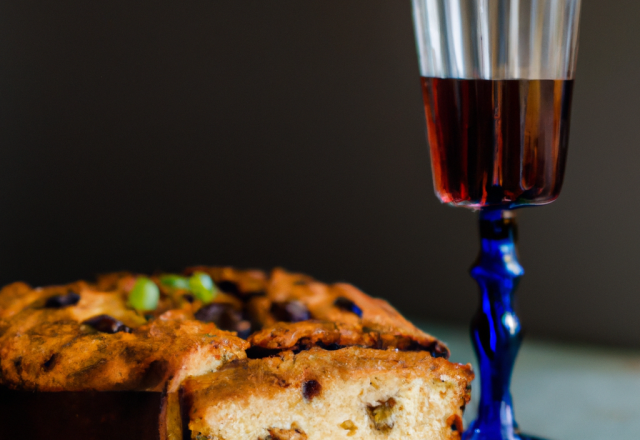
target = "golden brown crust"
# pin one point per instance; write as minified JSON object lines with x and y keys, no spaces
{"x":50,"y":349}
{"x":326,"y":334}
{"x":17,"y":296}
{"x":380,"y":325}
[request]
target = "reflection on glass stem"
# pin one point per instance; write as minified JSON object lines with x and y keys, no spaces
{"x":495,"y":329}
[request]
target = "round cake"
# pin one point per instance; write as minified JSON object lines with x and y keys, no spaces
{"x":236,"y":354}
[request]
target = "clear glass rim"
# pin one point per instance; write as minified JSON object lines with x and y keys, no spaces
{"x":497,"y":39}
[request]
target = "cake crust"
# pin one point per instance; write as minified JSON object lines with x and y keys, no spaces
{"x":49,"y":350}
{"x":246,"y":379}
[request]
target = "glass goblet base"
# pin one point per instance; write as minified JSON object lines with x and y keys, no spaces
{"x":478,"y":435}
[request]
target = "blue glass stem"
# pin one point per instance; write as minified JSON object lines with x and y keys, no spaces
{"x":495,"y":329}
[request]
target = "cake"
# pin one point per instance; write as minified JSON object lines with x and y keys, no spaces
{"x":233,"y":354}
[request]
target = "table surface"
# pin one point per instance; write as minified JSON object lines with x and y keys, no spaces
{"x":563,"y":391}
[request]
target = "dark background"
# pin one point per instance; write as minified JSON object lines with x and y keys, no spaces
{"x":149,"y":135}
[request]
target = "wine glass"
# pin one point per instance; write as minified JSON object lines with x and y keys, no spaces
{"x":497,"y":80}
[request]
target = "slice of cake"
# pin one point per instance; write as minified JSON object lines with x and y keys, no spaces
{"x":354,"y":392}
{"x":237,"y":355}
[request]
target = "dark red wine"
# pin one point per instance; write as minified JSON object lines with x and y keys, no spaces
{"x":497,"y":143}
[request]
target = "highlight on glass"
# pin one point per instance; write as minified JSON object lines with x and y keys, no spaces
{"x":497,"y":81}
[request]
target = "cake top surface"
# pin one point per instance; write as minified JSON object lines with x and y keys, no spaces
{"x":133,"y":332}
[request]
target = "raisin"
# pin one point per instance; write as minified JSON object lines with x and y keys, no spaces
{"x":382,"y":415}
{"x":290,"y":311}
{"x":215,"y":312}
{"x":311,"y":389}
{"x":107,"y":324}
{"x":60,"y":301}
{"x":50,"y":363}
{"x":438,"y":351}
{"x":347,"y":305}
{"x":225,"y":317}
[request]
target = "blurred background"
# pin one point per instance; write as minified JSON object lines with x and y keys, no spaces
{"x":147,"y":135}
